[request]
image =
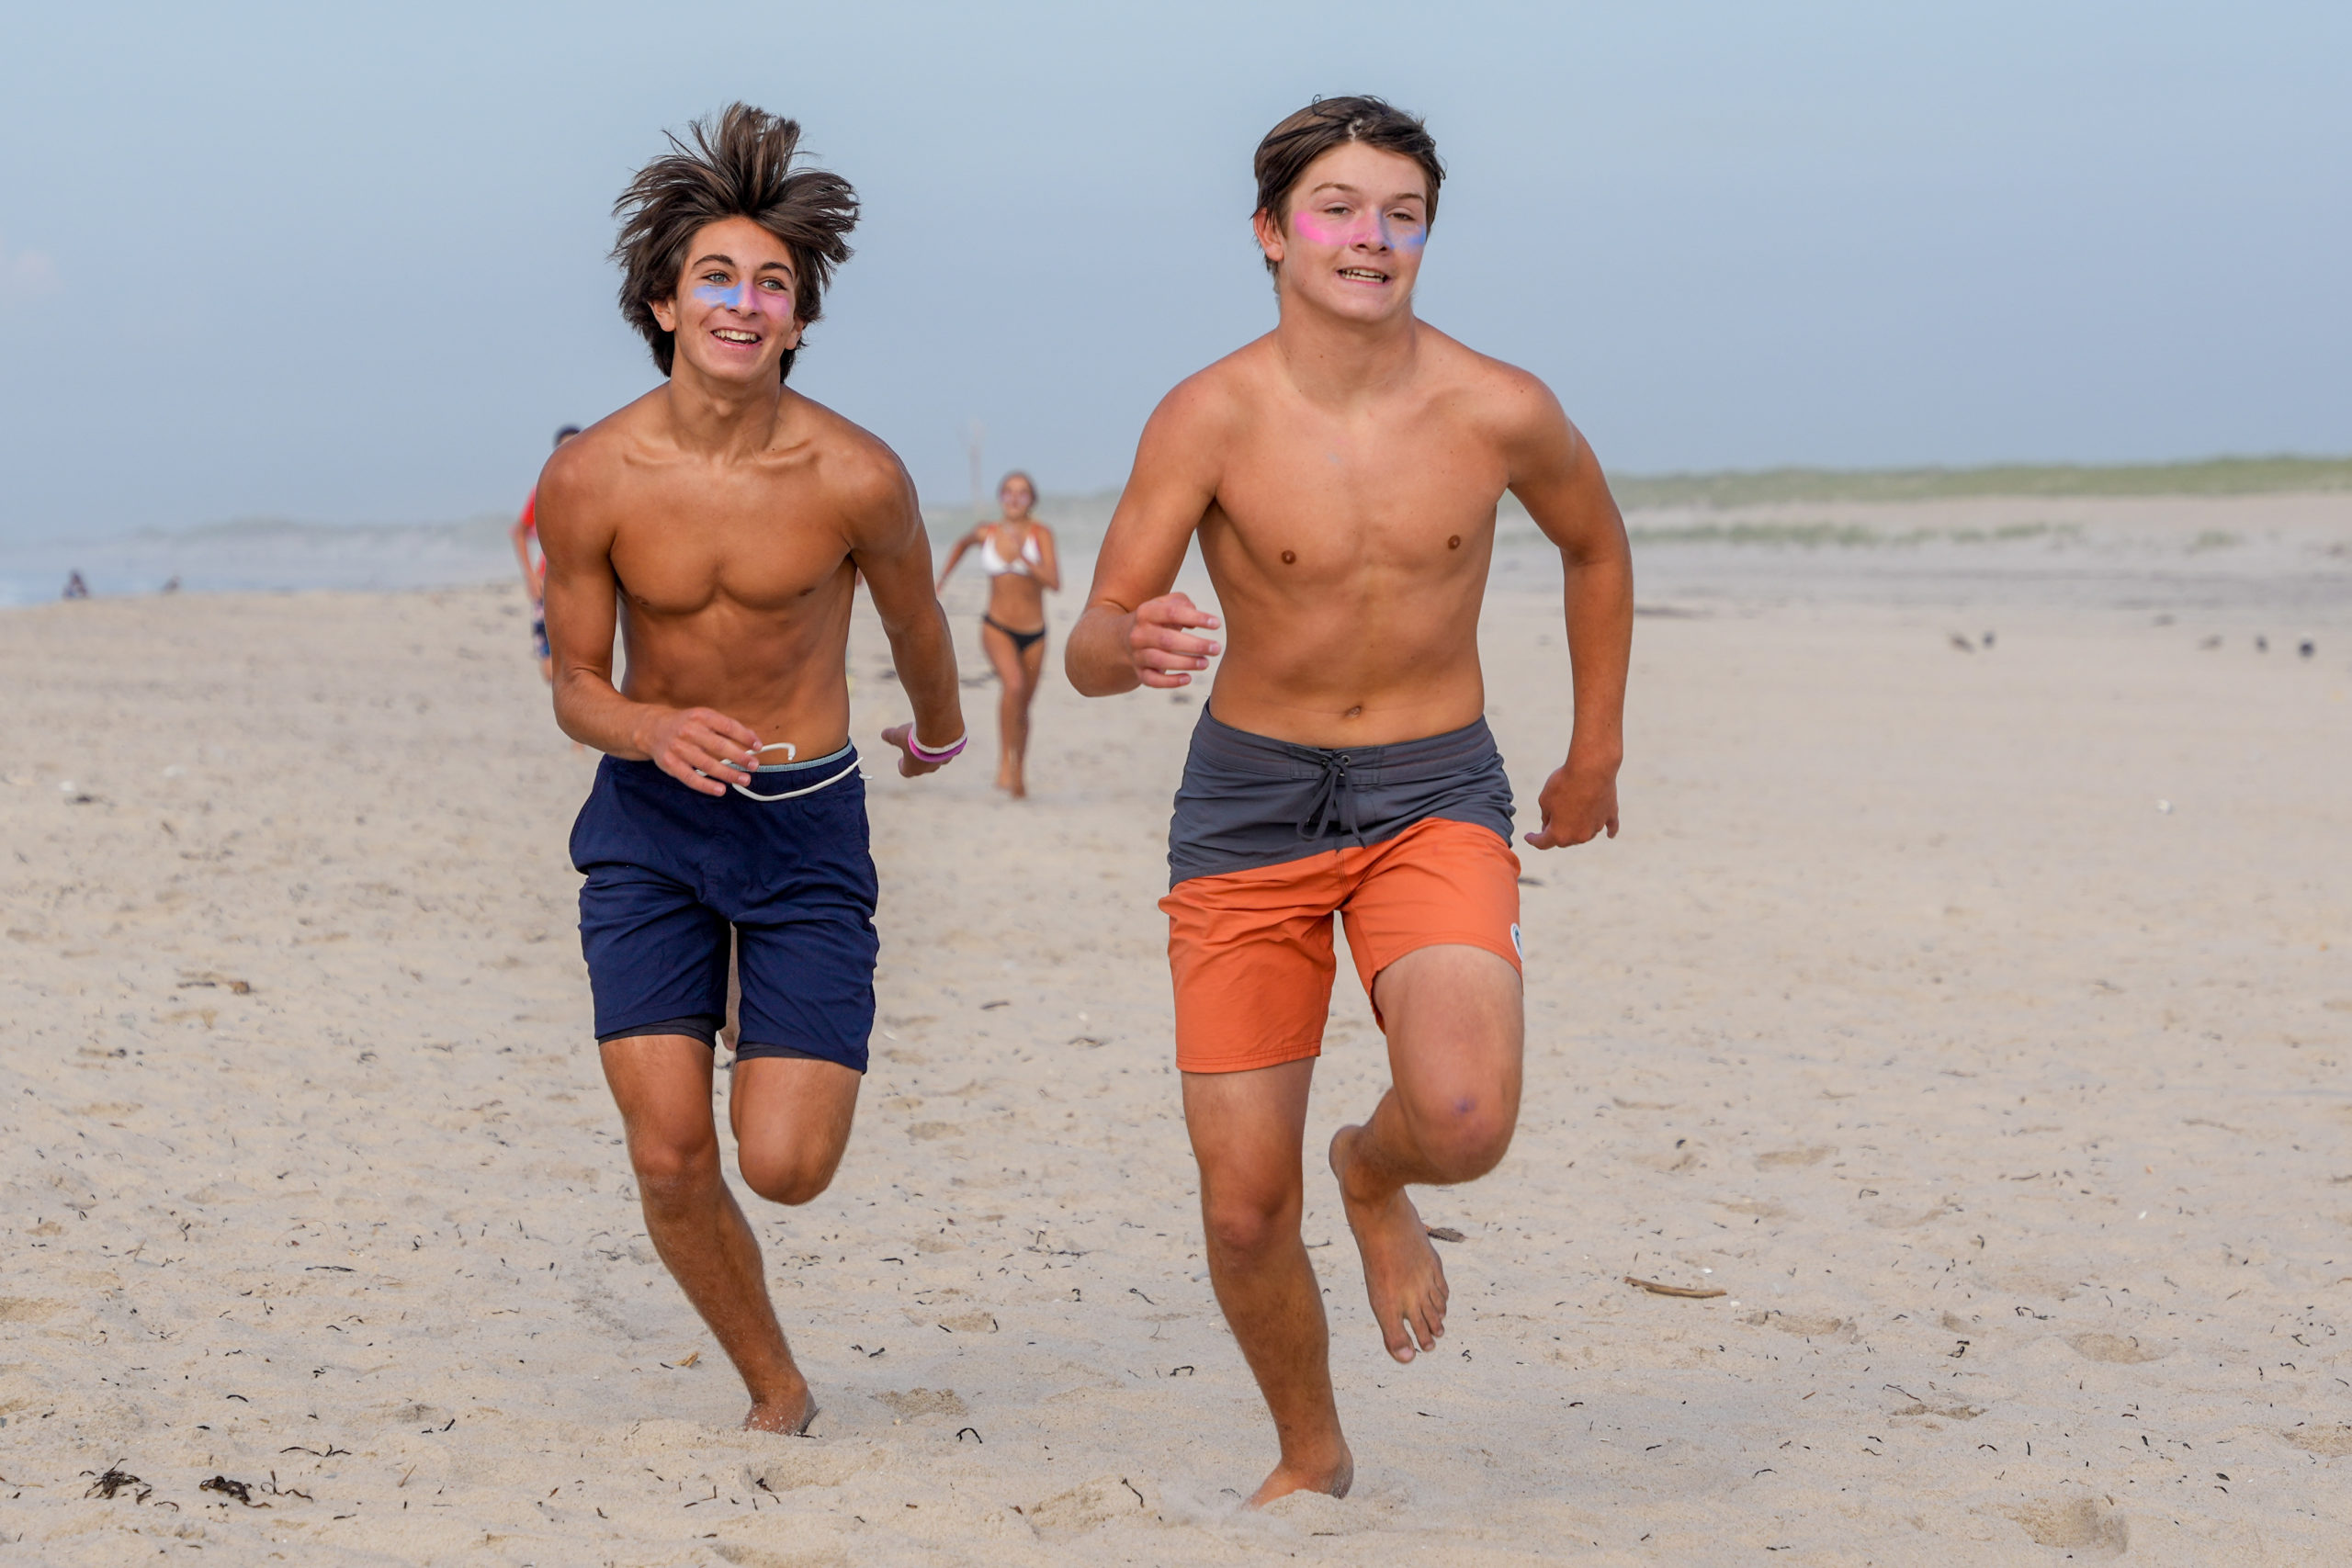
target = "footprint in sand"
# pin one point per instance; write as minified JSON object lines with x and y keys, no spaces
{"x":1088,"y":1505}
{"x":2117,"y":1348}
{"x":2075,"y":1524}
{"x":1806,"y":1325}
{"x":1772,"y":1157}
{"x":2042,"y":1282}
{"x":28,"y":1309}
{"x":2328,"y":1442}
{"x":924,"y":1401}
{"x":750,"y":1554}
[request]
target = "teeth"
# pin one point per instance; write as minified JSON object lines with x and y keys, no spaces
{"x":738,"y":337}
{"x":1364,"y":273}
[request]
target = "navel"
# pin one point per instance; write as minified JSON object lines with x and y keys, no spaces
{"x":1455,"y":543}
{"x":1290,"y":558}
{"x":1356,"y":712}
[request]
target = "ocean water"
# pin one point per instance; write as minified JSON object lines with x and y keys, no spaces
{"x":261,"y":556}
{"x":2272,"y":560}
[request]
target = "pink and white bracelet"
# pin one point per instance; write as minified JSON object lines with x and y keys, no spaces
{"x":923,"y":753}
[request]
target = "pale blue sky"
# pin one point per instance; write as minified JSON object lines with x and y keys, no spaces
{"x":346,"y":263}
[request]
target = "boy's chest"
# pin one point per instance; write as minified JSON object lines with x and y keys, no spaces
{"x":1403,"y":489}
{"x":763,"y":551}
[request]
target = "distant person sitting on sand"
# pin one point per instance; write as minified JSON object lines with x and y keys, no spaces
{"x":74,"y":587}
{"x":1017,"y":553}
{"x":1341,"y":475}
{"x":721,"y":519}
{"x":525,"y":534}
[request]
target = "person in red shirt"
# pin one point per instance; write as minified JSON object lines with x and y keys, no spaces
{"x":526,"y":535}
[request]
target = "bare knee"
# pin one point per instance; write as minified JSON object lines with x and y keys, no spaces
{"x":1247,"y":1225}
{"x":786,"y":1176}
{"x":1465,"y":1138}
{"x":673,"y":1171}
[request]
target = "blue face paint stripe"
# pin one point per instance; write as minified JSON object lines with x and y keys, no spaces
{"x":737,"y":298}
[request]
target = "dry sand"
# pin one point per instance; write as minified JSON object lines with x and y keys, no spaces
{"x":1904,"y":1012}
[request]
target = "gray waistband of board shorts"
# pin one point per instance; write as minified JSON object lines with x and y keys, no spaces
{"x":1250,"y":800}
{"x":831,"y":759}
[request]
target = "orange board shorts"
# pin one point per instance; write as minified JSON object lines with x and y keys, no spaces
{"x":1250,"y":946}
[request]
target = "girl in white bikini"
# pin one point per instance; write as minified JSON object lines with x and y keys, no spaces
{"x":1017,"y":553}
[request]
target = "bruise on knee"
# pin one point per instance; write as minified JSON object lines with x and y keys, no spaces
{"x":1464,"y":1137}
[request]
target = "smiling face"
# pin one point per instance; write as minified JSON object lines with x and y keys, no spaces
{"x":732,"y":313}
{"x":1015,"y":497}
{"x":1351,"y":240}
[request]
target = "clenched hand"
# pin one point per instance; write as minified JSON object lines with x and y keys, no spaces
{"x":1160,"y":644}
{"x":1579,"y":804}
{"x":701,"y":748}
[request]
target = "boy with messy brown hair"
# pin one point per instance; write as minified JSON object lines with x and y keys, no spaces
{"x":721,"y":523}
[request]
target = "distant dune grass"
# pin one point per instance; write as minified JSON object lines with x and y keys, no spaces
{"x":1847,"y":535}
{"x":2212,"y":475}
{"x":1083,"y":517}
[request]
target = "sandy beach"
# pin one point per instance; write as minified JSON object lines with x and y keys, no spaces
{"x":1973,"y":1014}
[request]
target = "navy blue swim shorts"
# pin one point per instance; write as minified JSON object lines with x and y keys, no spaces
{"x":670,"y":870}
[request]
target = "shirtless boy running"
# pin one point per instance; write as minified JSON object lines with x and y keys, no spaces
{"x":1342,"y":473}
{"x":722,"y":518}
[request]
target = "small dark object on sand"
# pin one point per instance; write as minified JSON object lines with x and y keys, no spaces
{"x":1656,"y":1289}
{"x":2307,"y":648}
{"x":1988,"y":639}
{"x":1962,"y":643}
{"x":240,"y":1489}
{"x":233,"y":986}
{"x":171,"y":585}
{"x":117,"y":1479}
{"x":2210,"y":643}
{"x":1444,"y":1233}
{"x":2261,"y":645}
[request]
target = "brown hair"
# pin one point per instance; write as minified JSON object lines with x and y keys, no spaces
{"x":1326,"y":123}
{"x":739,"y":167}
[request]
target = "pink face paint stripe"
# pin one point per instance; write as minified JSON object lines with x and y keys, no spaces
{"x":1378,"y":229}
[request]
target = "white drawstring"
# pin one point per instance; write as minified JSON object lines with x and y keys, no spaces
{"x":789,"y":753}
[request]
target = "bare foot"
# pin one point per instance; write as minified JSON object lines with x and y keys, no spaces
{"x":790,"y":1414}
{"x":1287,"y":1478}
{"x":1401,"y":1272}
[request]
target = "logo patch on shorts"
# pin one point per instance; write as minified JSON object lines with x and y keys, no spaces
{"x":1516,"y":944}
